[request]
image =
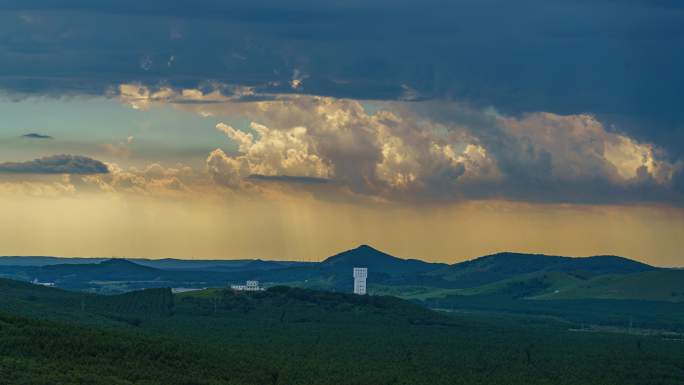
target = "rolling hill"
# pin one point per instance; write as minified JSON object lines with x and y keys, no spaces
{"x":655,"y":285}
{"x":511,"y":275}
{"x":498,"y":267}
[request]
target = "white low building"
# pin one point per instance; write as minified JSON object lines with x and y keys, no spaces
{"x":248,"y":286}
{"x":36,"y":282}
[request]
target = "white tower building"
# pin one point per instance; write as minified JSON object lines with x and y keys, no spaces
{"x":360,"y":275}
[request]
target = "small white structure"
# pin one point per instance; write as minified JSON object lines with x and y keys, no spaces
{"x":36,"y":282}
{"x":360,"y":275}
{"x":248,"y":286}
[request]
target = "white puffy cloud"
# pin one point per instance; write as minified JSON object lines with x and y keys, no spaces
{"x":580,"y":148}
{"x":382,"y":154}
{"x":426,"y":150}
{"x":277,"y":152}
{"x":227,"y":171}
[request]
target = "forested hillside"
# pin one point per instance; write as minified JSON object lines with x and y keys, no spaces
{"x":299,"y":336}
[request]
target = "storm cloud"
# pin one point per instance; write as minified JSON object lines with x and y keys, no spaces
{"x":620,"y":61}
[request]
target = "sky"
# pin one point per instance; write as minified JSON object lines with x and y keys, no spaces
{"x":440,"y":130}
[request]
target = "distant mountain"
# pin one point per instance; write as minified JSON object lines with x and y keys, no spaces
{"x":44,"y":261}
{"x":256,"y":264}
{"x":501,"y":266}
{"x":111,"y":268}
{"x":191,"y":264}
{"x":88,"y":274}
{"x":165,"y":263}
{"x":113,"y":275}
{"x":506,"y":275}
{"x":377,"y":262}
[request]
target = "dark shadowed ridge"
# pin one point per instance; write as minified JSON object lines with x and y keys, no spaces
{"x":116,"y":263}
{"x":108,"y":264}
{"x":109,"y":269}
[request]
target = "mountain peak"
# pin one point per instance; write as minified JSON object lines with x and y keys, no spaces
{"x":117,"y":261}
{"x":360,"y":254}
{"x":365,"y":247}
{"x":376,"y":261}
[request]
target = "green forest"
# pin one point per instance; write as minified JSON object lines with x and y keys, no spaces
{"x":299,"y":336}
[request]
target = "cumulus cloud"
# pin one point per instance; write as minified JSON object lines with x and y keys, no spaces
{"x":58,"y":164}
{"x":399,"y":152}
{"x":275,"y":152}
{"x":316,"y":138}
{"x":431,"y":151}
{"x":576,"y":147}
{"x":563,"y":158}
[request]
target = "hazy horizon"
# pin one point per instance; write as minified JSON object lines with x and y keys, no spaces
{"x":314,"y":259}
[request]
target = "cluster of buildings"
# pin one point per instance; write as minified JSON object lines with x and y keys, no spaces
{"x":248,"y":286}
{"x":360,"y":276}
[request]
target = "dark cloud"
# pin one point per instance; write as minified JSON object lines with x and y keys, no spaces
{"x":58,"y":164}
{"x":34,"y":135}
{"x":620,"y":61}
{"x":288,"y":179}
